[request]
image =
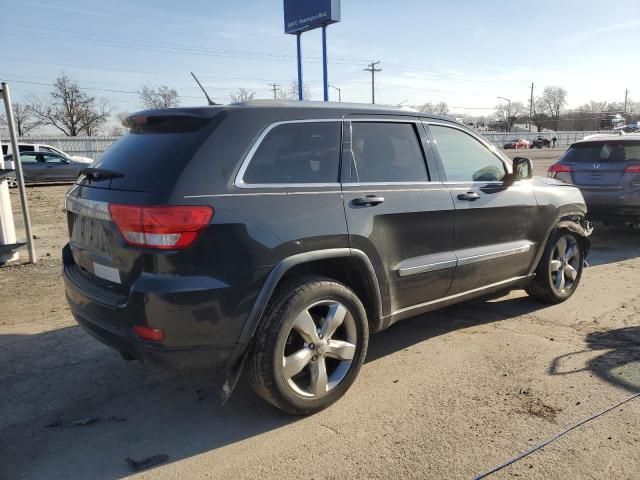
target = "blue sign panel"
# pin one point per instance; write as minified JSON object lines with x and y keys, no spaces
{"x":303,"y":15}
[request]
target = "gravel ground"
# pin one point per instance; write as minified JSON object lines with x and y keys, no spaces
{"x":444,"y":395}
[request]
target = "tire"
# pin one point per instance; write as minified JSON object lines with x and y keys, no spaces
{"x":292,"y":328}
{"x":560,"y":268}
{"x":12,"y":182}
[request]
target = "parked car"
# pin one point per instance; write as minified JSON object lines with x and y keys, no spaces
{"x":36,"y":147}
{"x":606,"y":168}
{"x":279,"y":235}
{"x":41,"y":167}
{"x":518,"y":143}
{"x":540,"y":142}
{"x":611,"y":121}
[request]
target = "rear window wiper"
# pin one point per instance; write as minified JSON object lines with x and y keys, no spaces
{"x":93,"y":173}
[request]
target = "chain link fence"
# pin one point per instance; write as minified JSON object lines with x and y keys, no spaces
{"x":564,"y":139}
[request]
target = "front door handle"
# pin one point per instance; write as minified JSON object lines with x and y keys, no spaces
{"x":469,"y":196}
{"x":368,"y":201}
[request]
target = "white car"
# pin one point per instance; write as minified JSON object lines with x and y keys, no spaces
{"x":36,"y":147}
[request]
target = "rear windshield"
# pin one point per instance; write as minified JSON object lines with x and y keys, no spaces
{"x":147,"y":154}
{"x":603,"y":152}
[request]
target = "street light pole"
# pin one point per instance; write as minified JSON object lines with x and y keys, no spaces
{"x":339,"y":92}
{"x":507,"y":123}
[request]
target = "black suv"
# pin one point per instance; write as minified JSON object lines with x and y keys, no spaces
{"x":280,"y":235}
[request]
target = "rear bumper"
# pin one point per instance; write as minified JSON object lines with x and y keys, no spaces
{"x":607,"y":205}
{"x":197,"y":333}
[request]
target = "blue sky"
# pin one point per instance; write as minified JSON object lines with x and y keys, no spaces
{"x":463,"y":52}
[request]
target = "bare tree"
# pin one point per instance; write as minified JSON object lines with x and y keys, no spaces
{"x":593,"y":111}
{"x":161,"y":97}
{"x":507,"y":114}
{"x":291,"y":92}
{"x":539,"y":117}
{"x":242,"y":95}
{"x":25,"y":119}
{"x":554,"y":99}
{"x":436,"y":108}
{"x":71,"y":110}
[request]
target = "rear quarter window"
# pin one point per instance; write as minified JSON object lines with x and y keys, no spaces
{"x":296,"y":153}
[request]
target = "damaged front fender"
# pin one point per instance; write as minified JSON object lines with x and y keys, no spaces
{"x":581,"y":227}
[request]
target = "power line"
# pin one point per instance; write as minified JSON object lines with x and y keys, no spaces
{"x":71,"y":36}
{"x":372,"y":68}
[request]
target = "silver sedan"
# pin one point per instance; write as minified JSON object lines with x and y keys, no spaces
{"x":45,"y":167}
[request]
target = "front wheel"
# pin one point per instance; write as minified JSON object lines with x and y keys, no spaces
{"x":310,"y":345}
{"x":560,"y":269}
{"x":12,"y":182}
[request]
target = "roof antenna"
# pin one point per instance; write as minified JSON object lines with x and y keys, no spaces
{"x":211,"y":102}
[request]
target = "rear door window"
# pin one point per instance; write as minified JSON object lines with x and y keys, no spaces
{"x":387,"y":152}
{"x":297,"y":153}
{"x":464,"y":158}
{"x":28,"y":157}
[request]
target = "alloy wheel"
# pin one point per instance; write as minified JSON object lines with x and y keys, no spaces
{"x":564,"y":265}
{"x":320,"y":349}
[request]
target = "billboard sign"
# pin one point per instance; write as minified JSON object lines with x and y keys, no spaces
{"x":303,"y":15}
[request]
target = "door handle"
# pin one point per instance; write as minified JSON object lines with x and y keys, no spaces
{"x":469,"y":196}
{"x":368,"y":201}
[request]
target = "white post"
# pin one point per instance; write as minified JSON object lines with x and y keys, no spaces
{"x":15,"y":154}
{"x":7,"y":227}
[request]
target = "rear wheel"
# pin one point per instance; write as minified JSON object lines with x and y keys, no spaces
{"x":560,"y":269}
{"x":12,"y":182}
{"x":310,"y":346}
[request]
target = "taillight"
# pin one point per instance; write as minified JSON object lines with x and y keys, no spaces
{"x":632,"y":169}
{"x":558,"y":168}
{"x":149,"y":333}
{"x":164,"y":228}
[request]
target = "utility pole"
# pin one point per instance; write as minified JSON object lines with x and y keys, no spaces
{"x":274,"y":87}
{"x":339,"y":92}
{"x":626,"y":94}
{"x":372,"y":68}
{"x":531,"y":107}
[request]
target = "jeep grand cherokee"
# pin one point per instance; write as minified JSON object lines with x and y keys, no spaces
{"x":284,"y":234}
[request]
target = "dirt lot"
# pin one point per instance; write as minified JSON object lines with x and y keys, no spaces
{"x":444,"y":395}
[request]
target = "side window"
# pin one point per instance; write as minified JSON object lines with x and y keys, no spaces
{"x":465,"y":159}
{"x":50,"y":158}
{"x":26,"y":148}
{"x":28,"y":158}
{"x":306,"y":152}
{"x":387,"y":152}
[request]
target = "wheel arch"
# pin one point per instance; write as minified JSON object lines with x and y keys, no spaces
{"x":574,"y":222}
{"x":349,"y":266}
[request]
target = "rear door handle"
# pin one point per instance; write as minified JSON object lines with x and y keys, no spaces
{"x":469,"y":196}
{"x":368,"y":201}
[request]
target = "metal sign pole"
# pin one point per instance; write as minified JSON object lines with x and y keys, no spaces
{"x":298,"y":35}
{"x":18,"y":167}
{"x":324,"y":63}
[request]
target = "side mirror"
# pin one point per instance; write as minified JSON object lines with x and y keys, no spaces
{"x":522,"y":168}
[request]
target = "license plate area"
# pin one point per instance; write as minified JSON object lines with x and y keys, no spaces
{"x":106,"y":273}
{"x":88,"y":232}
